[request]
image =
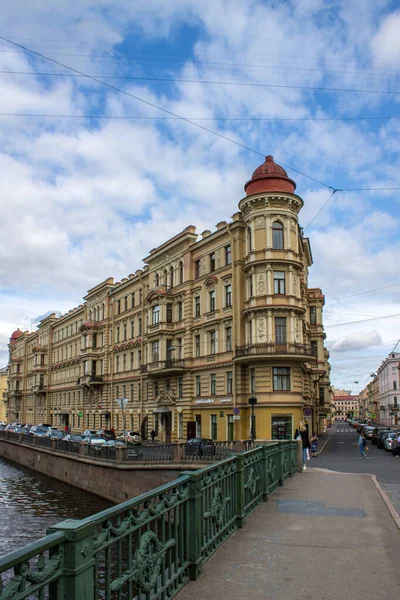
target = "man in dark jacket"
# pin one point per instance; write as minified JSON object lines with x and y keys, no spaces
{"x":305,"y":442}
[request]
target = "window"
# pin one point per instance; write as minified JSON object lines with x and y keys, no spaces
{"x":180,"y":311}
{"x":125,"y":331}
{"x":229,"y":382}
{"x":277,"y":236}
{"x":140,"y":326}
{"x":251,"y":291}
{"x":250,"y":330}
{"x":132,"y":328}
{"x":314,"y":347}
{"x":124,"y":364}
{"x":252,"y":381}
{"x":171,"y":277}
{"x":181,"y":272}
{"x":118,"y":307}
{"x":169,"y":312}
{"x":213,"y":427}
{"x":213,"y":340}
{"x":212,"y":262}
{"x":281,"y":379}
{"x":197,"y":306}
{"x":132,"y":363}
{"x":126,"y":302}
{"x":155,"y":350}
{"x":279,"y":282}
{"x":395,"y":385}
{"x":197,"y":345}
{"x":280,"y":330}
{"x":116,"y":365}
{"x":180,"y":425}
{"x":249,"y":240}
{"x":179,"y":347}
{"x":156,"y":314}
{"x":198,"y":385}
{"x":313,"y":315}
{"x":228,"y":295}
{"x":140,"y":296}
{"x":211,"y":296}
{"x":281,"y":428}
{"x":228,"y":339}
{"x":213,"y":384}
{"x":197,"y":269}
{"x":395,"y":400}
{"x":117,"y":335}
{"x":228,"y":255}
{"x":180,"y":387}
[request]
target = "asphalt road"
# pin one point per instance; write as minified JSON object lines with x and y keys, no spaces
{"x":342,"y":454}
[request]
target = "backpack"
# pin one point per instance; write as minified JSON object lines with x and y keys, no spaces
{"x":364,"y":442}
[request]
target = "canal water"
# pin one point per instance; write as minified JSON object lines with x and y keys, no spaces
{"x":31,"y":502}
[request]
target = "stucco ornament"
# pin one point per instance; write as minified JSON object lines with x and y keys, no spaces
{"x":297,"y":331}
{"x":261,"y":284}
{"x":261,"y":333}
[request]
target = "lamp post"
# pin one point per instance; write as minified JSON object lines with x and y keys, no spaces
{"x":122,"y":402}
{"x":253,"y":402}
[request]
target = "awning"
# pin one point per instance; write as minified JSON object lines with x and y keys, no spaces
{"x":162,"y":410}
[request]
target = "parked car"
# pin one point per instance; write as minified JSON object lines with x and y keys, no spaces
{"x":71,"y":437}
{"x":51,"y":430}
{"x":375,"y":435}
{"x":200,"y":447}
{"x":388,"y":443}
{"x":56,"y":434}
{"x":106,"y":433}
{"x":13,"y":426}
{"x":360,"y":427}
{"x":39,"y":431}
{"x":89,"y":432}
{"x":368,"y":431}
{"x":130,"y":436}
{"x":381,"y":438}
{"x":115,"y":444}
{"x":93,"y":441}
{"x":23,"y":430}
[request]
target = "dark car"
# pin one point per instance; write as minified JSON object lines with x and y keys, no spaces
{"x":382,"y":437}
{"x":375,"y":435}
{"x":23,"y":430}
{"x":200,"y":447}
{"x":56,"y":434}
{"x":71,"y":437}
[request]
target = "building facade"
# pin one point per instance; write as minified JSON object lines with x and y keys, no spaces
{"x":206,"y":324}
{"x":3,"y":394}
{"x":346,"y":405}
{"x":388,"y":389}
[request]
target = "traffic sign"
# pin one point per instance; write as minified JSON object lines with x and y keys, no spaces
{"x":236,"y":411}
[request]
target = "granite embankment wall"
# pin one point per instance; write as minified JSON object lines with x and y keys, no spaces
{"x":114,"y":482}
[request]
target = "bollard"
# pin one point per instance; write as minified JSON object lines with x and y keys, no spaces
{"x":299,"y":456}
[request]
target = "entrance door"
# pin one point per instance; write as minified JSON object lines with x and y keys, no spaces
{"x":191,"y":430}
{"x":167,"y":427}
{"x":231,"y":430}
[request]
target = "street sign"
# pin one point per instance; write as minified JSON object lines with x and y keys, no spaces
{"x":236,"y":411}
{"x":236,"y":417}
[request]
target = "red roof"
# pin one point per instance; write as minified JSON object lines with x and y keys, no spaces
{"x":269,"y":177}
{"x":16,"y":335}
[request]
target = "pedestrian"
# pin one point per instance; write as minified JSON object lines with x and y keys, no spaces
{"x":153,"y":434}
{"x":305,"y":443}
{"x":66,"y":429}
{"x":314,"y":445}
{"x":362,"y":445}
{"x":396,"y":443}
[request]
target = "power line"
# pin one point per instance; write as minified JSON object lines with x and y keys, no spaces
{"x":367,"y":291}
{"x":197,"y":81}
{"x":156,"y":106}
{"x":364,"y":320}
{"x":245,"y":119}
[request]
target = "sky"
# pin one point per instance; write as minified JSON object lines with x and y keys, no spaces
{"x":94,"y":174}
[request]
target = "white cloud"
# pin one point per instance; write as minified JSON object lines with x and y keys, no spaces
{"x":356,"y":341}
{"x":385,"y":45}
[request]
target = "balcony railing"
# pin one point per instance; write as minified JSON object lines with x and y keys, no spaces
{"x":40,"y":388}
{"x":166,"y":365}
{"x":272,"y":349}
{"x":90,"y":380}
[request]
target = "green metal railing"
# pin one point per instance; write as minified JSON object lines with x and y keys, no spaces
{"x":148,"y":547}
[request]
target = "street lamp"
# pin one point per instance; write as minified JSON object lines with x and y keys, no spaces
{"x":122,"y":402}
{"x":253,"y":402}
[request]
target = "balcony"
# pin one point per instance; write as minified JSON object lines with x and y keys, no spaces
{"x":39,"y":389}
{"x":394,"y":408}
{"x":39,"y":368}
{"x":90,"y":351}
{"x":259,"y":352}
{"x":15,"y":393}
{"x":166,"y":367}
{"x":90,"y":380}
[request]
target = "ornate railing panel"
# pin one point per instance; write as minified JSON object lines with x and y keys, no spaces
{"x":273,"y":466}
{"x":69,"y":447}
{"x":35,"y":571}
{"x":254,"y":474}
{"x":152,"y":453}
{"x":218,"y":498}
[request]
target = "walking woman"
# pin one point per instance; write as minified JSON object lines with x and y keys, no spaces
{"x":305,"y":443}
{"x":314,"y":445}
{"x":362,"y":445}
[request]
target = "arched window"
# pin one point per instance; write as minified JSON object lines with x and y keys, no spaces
{"x":165,"y":277}
{"x":277,"y":236}
{"x":157,"y":279}
{"x":171,"y":277}
{"x":181,"y":272}
{"x":90,"y":315}
{"x":95,"y":314}
{"x":249,"y":239}
{"x":102,"y":312}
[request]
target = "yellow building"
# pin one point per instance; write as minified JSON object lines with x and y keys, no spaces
{"x":3,"y":395}
{"x":208,"y":322}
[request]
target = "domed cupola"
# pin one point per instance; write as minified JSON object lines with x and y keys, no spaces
{"x":269,"y":177}
{"x":16,"y":335}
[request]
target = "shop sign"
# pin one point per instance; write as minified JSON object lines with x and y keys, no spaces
{"x":205,"y":401}
{"x":225,"y":399}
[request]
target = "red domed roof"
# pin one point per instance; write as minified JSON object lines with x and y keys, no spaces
{"x":269,"y":177}
{"x":16,"y":335}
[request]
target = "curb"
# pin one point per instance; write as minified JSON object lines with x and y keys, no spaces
{"x":325,"y":444}
{"x":383,"y":494}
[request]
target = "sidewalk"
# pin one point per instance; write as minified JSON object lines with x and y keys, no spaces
{"x":323,"y":535}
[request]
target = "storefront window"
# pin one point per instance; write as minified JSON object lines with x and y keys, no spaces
{"x":213,"y":427}
{"x":281,"y":428}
